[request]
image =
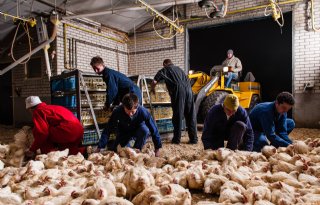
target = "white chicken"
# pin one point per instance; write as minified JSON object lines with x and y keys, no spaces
{"x":136,"y":180}
{"x":120,"y":189}
{"x":181,"y":165}
{"x":163,"y":178}
{"x":213,"y":183}
{"x":7,"y":197}
{"x":269,"y":151}
{"x":257,"y":193}
{"x":309,"y":179}
{"x":115,"y":201}
{"x":222,"y":154}
{"x":231,"y":196}
{"x":147,"y":196}
{"x":195,"y":177}
{"x":300,"y":147}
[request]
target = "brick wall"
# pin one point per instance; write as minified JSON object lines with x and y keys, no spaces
{"x":88,"y":45}
{"x":306,"y":57}
{"x":148,"y":53}
{"x":145,"y":59}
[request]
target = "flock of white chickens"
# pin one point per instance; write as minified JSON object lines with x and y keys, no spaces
{"x":276,"y":176}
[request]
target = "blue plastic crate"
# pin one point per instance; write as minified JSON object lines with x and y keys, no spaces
{"x":70,"y":101}
{"x":57,"y":85}
{"x":164,"y":125}
{"x":65,"y":101}
{"x":90,"y":137}
{"x":69,"y":83}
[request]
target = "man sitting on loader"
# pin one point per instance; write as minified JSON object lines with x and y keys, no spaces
{"x":236,"y":65}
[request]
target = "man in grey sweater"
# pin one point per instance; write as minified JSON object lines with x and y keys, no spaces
{"x":236,"y":65}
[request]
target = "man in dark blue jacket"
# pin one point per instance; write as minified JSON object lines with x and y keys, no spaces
{"x":131,"y":121}
{"x":269,"y":121}
{"x":230,"y":122}
{"x":181,"y":96}
{"x":117,"y":83}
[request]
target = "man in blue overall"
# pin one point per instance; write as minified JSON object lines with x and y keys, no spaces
{"x":269,"y":121}
{"x":131,"y":121}
{"x":117,"y":83}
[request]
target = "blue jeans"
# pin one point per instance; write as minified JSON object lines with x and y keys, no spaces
{"x":140,"y":135}
{"x":260,"y":139}
{"x":229,"y":77}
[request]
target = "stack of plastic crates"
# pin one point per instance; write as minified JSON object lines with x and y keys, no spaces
{"x":162,"y":112}
{"x":60,"y":89}
{"x":101,"y":117}
{"x":95,"y":83}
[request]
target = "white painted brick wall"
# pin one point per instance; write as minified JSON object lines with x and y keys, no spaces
{"x":87,"y":47}
{"x":306,"y":48}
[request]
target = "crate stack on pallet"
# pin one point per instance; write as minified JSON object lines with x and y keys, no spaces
{"x":68,"y":91}
{"x":161,"y":106}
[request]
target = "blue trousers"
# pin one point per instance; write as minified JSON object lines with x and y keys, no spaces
{"x":229,"y":77}
{"x":140,"y":136}
{"x":260,"y":139}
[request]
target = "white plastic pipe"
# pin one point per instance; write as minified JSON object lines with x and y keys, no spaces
{"x":46,"y":56}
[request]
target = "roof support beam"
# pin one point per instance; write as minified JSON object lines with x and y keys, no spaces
{"x":136,"y":8}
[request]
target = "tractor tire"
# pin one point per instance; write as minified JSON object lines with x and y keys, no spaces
{"x":254,"y":101}
{"x":211,"y":100}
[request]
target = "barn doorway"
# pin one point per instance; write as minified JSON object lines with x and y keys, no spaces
{"x":263,"y":48}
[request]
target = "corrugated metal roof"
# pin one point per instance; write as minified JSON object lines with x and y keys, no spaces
{"x":123,"y":15}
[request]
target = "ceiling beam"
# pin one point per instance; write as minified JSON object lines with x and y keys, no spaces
{"x":135,"y":8}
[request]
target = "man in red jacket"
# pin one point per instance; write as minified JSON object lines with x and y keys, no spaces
{"x":55,"y":128}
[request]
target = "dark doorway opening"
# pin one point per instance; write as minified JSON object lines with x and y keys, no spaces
{"x":6,"y":105}
{"x":262,"y":47}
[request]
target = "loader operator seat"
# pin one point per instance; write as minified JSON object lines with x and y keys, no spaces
{"x":249,"y":77}
{"x":236,"y":80}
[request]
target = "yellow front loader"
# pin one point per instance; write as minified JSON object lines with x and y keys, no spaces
{"x":210,"y":90}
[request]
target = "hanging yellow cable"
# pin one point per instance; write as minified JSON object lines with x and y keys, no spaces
{"x":161,"y":17}
{"x":95,"y":33}
{"x":31,"y":21}
{"x":14,"y":39}
{"x":275,"y":11}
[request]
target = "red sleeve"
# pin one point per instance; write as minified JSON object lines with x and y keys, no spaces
{"x":40,"y":130}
